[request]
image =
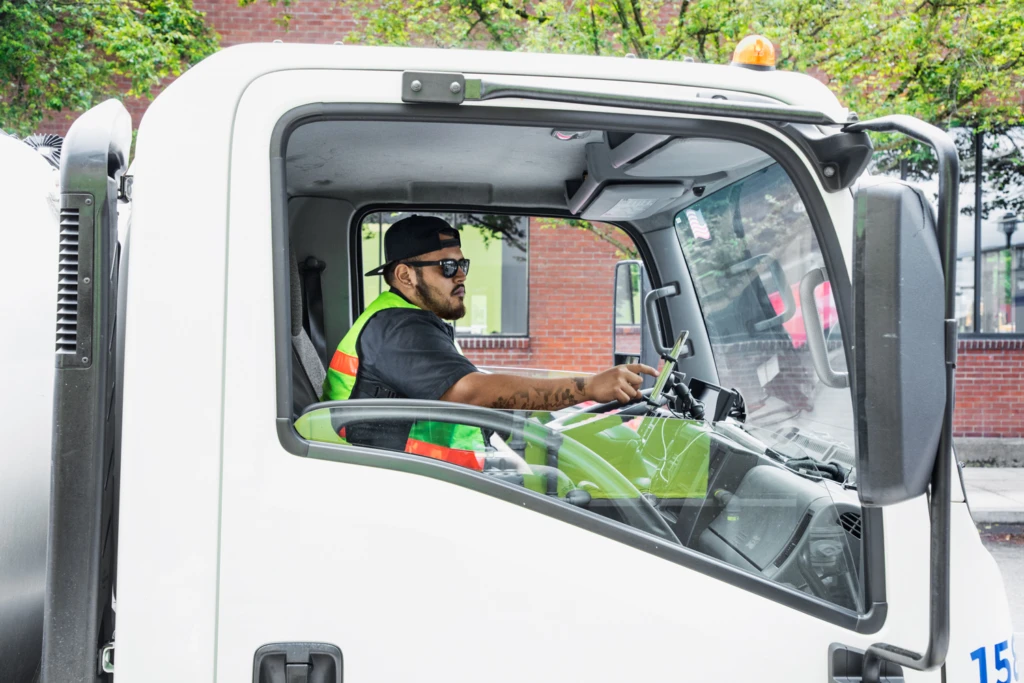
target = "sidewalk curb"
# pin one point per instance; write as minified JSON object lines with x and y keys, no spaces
{"x":991,"y":516}
{"x":989,"y":452}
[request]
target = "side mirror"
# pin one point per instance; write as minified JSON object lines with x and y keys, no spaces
{"x":899,"y":366}
{"x":628,"y":311}
{"x":632,"y":341}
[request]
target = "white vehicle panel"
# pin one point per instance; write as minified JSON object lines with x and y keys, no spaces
{"x":173,"y":377}
{"x":979,"y":613}
{"x":29,"y":204}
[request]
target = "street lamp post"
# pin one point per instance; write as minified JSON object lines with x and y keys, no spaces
{"x":979,"y":157}
{"x":1008,"y":224}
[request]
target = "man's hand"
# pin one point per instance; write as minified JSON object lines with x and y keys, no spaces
{"x":621,"y":383}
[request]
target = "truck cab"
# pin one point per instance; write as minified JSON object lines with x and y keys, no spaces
{"x":781,"y":503}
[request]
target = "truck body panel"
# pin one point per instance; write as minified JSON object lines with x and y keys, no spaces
{"x":29,"y":197}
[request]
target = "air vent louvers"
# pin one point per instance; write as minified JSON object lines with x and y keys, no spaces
{"x":851,"y":522}
{"x":67,"y":283}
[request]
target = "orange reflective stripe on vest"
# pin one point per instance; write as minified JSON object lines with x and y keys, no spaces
{"x":455,"y":456}
{"x":344,"y":363}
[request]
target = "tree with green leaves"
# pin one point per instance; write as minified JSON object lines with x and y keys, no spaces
{"x":958,"y":64}
{"x":67,"y":55}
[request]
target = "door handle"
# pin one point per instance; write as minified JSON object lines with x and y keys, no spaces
{"x":297,"y":663}
{"x":846,"y":665}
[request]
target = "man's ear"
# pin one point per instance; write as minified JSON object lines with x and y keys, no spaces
{"x":405,"y":276}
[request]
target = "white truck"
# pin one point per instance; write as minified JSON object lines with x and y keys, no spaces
{"x":207,"y":520}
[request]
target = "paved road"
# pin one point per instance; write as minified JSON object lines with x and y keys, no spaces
{"x":1006,"y":543}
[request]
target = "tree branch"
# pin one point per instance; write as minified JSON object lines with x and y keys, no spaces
{"x":523,"y":14}
{"x":484,"y":18}
{"x":678,"y":42}
{"x":593,"y":30}
{"x":638,"y":16}
{"x":620,"y":10}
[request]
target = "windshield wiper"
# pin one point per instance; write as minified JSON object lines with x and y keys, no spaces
{"x":824,"y":470}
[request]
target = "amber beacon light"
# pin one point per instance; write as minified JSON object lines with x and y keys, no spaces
{"x":755,"y":52}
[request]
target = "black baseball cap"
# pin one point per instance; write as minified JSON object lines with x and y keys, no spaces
{"x":413,"y":236}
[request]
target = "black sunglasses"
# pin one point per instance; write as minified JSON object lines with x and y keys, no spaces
{"x":449,"y":266}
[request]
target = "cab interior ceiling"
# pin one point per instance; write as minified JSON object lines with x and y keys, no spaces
{"x":639,"y":178}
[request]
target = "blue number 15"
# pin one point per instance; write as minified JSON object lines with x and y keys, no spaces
{"x":1002,"y":663}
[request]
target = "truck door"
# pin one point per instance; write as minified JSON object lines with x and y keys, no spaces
{"x":388,"y":566}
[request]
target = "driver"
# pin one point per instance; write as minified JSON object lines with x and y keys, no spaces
{"x":400,"y":347}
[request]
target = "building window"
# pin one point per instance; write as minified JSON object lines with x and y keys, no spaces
{"x":965,"y":294}
{"x":498,"y":248}
{"x":1002,"y":292}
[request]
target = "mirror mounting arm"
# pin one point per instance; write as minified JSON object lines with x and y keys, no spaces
{"x":949,"y":180}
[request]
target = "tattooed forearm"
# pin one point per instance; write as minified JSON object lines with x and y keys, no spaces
{"x":511,"y":392}
{"x":543,"y":395}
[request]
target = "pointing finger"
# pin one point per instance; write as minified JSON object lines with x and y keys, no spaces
{"x":645,"y":369}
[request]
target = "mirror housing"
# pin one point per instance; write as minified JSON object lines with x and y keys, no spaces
{"x":628,"y":311}
{"x":899,"y":348}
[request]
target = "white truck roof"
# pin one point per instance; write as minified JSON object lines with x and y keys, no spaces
{"x":239,"y":65}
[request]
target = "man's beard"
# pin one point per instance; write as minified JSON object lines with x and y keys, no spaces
{"x":438,"y":304}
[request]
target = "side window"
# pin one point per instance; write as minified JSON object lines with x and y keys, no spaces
{"x":498,"y":249}
{"x":682,"y":482}
{"x":540,"y":294}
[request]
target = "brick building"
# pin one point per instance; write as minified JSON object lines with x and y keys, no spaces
{"x":571,"y":304}
{"x":570,"y":271}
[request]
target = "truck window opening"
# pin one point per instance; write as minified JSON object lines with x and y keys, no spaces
{"x":765,"y":486}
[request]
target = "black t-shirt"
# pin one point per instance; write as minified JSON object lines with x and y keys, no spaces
{"x":404,"y":353}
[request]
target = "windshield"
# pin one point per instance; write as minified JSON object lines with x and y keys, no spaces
{"x":748,"y":246}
